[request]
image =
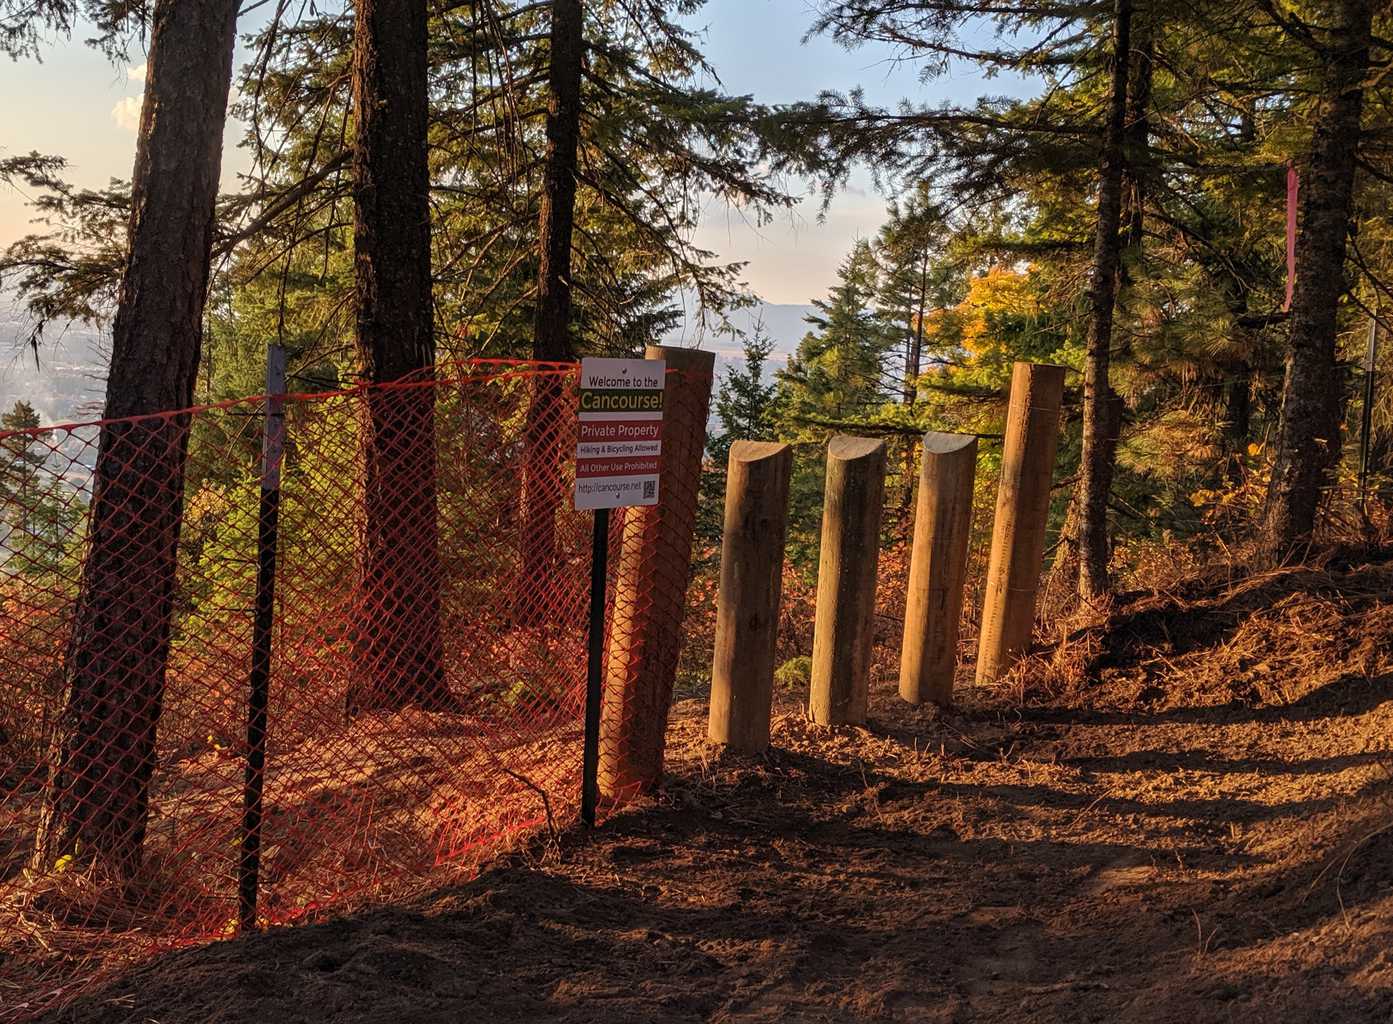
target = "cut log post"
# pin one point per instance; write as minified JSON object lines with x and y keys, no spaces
{"x":747,"y":609}
{"x":846,"y":577}
{"x":938,"y":568}
{"x":1022,"y":511}
{"x":650,"y":591}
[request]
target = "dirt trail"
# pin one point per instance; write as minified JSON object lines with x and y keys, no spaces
{"x":1189,"y":830}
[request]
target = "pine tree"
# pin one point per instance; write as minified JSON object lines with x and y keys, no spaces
{"x":552,"y":327}
{"x":1215,"y":104}
{"x":653,"y":145}
{"x":839,"y":372}
{"x":1101,"y":418}
{"x":556,"y":217}
{"x":916,"y":277}
{"x":745,"y":410}
{"x":40,"y":513}
{"x":25,"y":24}
{"x":21,"y":459}
{"x":745,"y":402}
{"x":1308,"y":435}
{"x":97,"y":801}
{"x":399,"y":653}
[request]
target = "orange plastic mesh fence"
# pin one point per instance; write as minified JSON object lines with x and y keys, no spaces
{"x":427,"y":678}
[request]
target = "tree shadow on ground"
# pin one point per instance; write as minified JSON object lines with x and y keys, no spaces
{"x":1347,"y":696}
{"x":785,"y":893}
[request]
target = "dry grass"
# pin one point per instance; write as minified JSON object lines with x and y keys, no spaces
{"x":1269,"y":635}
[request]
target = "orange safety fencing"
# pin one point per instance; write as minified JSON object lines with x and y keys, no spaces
{"x":427,"y":657}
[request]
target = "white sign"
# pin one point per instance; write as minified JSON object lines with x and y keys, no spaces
{"x":619,"y":454}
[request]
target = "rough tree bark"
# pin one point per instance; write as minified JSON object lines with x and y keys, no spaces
{"x":1308,"y":433}
{"x":556,"y":222}
{"x":1099,"y":433}
{"x":97,"y":802}
{"x":551,"y":337}
{"x":398,"y":657}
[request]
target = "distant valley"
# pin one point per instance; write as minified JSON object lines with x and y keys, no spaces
{"x":66,"y":382}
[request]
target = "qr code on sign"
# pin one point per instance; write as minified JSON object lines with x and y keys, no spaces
{"x":650,"y":489}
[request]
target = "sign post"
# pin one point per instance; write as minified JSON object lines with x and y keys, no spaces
{"x":618,"y":465}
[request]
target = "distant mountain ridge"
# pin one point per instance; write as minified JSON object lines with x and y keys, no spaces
{"x":784,"y":323}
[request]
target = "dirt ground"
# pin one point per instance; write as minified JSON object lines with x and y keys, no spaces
{"x":1185,"y":816}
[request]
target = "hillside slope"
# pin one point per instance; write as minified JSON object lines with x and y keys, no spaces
{"x":1197,"y":825}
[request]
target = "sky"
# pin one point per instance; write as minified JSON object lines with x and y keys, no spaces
{"x":78,"y":105}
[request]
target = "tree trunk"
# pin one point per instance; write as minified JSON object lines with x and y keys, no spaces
{"x":1236,"y":376}
{"x":1308,"y":433}
{"x":1099,"y":433}
{"x":551,"y":335}
{"x":1136,"y":134}
{"x":97,"y":801}
{"x":914,"y":355}
{"x":1238,"y":403}
{"x":1238,"y":414}
{"x":398,"y":658}
{"x":1243,"y":347}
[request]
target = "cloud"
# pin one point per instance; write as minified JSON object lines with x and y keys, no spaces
{"x":138,"y":74}
{"x":126,"y":113}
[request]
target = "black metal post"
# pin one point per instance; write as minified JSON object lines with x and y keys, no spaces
{"x":263,"y":620}
{"x":590,"y":772}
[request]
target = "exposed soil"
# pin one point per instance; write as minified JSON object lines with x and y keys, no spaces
{"x":1189,"y":818}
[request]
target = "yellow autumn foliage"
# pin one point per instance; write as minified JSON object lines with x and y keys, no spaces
{"x":1000,"y":291}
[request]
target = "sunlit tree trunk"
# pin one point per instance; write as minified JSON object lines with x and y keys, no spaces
{"x":551,"y":338}
{"x":398,"y":658}
{"x":97,"y":802}
{"x":1308,"y":434}
{"x":914,"y":357}
{"x":1100,"y":422}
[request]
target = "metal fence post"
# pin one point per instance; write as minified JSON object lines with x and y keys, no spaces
{"x":263,"y":621}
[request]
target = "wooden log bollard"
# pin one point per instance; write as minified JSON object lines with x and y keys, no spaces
{"x":1022,"y":511}
{"x":747,"y":609}
{"x":938,"y":568}
{"x":650,"y":588}
{"x":846,"y":577}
